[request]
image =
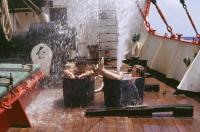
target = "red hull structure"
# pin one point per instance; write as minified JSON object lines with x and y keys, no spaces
{"x":12,"y":113}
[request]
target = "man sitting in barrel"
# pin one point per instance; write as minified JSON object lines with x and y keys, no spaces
{"x":79,"y":69}
{"x":137,"y":71}
{"x":123,"y":89}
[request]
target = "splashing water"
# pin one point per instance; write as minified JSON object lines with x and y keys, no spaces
{"x":129,"y":22}
{"x":60,"y":39}
{"x":83,"y":16}
{"x":63,"y":39}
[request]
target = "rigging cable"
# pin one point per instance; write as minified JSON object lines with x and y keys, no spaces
{"x":145,"y":19}
{"x":169,"y":28}
{"x":147,"y":7}
{"x":190,"y":18}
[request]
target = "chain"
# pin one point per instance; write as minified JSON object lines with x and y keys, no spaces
{"x":169,"y":28}
{"x":183,"y":3}
{"x":144,"y":17}
{"x":190,"y":18}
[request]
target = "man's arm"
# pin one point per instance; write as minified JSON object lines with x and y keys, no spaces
{"x":69,"y":74}
{"x":87,"y":73}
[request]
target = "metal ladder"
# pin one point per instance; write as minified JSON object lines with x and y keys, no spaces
{"x":108,"y":35}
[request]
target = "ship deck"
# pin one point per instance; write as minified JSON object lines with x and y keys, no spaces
{"x":47,"y":114}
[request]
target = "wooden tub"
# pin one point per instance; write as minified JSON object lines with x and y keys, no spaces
{"x":123,"y":93}
{"x":78,"y":92}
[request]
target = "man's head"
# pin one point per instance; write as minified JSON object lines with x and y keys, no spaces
{"x":138,"y":71}
{"x":81,"y":63}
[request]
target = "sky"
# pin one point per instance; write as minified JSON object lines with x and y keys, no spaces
{"x":176,"y":16}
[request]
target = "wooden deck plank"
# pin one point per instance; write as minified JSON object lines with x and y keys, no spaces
{"x":86,"y":124}
{"x":154,"y":124}
{"x":129,"y":125}
{"x":39,"y":129}
{"x":112,"y":124}
{"x":50,"y":129}
{"x":145,"y":125}
{"x":78,"y":125}
{"x":73,"y":120}
{"x":120,"y":124}
{"x":164,"y":127}
{"x":167,"y":98}
{"x":12,"y":129}
{"x":93,"y":125}
{"x":69,"y":124}
{"x":103,"y":126}
{"x":137,"y":125}
{"x":181,"y":124}
{"x":24,"y":130}
{"x":169,"y":122}
{"x":161,"y":122}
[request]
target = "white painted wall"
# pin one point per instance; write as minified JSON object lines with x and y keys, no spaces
{"x":166,"y":55}
{"x":191,"y":79}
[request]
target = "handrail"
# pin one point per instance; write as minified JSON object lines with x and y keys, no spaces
{"x":144,"y":17}
{"x":32,"y":6}
{"x":178,"y":38}
{"x":147,"y":7}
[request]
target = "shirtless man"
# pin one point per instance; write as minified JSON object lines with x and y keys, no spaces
{"x":79,"y":69}
{"x":136,"y":72}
